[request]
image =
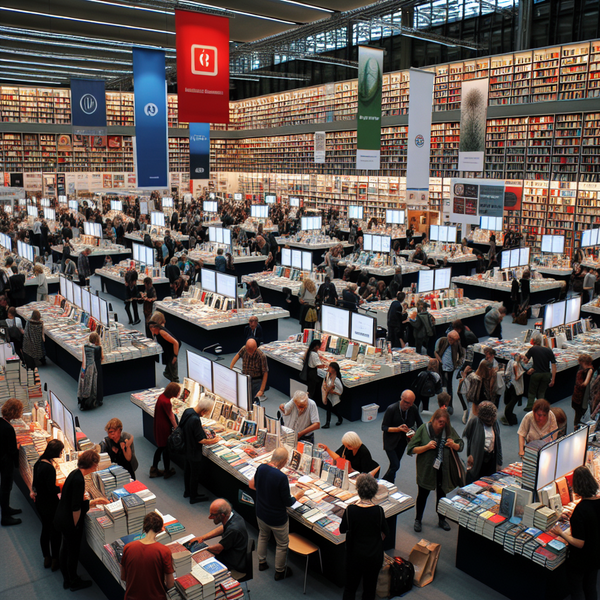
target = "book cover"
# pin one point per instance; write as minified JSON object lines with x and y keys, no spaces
{"x":563,"y":491}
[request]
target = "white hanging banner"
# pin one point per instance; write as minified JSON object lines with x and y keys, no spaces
{"x":473,"y":116}
{"x":320,"y":145}
{"x":420,"y":106}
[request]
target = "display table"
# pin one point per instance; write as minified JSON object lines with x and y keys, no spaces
{"x":410,"y":271}
{"x":554,"y":273}
{"x":396,"y":237}
{"x":542,"y":290}
{"x":462,"y":264}
{"x":242,"y":264}
{"x":318,"y":249}
{"x":484,"y":246}
{"x":129,"y":366}
{"x":112,"y":282}
{"x":592,"y":310}
{"x":200,"y":326}
{"x":97,"y":256}
{"x":138,"y":237}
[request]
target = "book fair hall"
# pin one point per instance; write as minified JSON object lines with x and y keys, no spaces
{"x":300,"y":299}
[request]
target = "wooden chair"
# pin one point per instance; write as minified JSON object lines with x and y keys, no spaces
{"x":304,"y":547}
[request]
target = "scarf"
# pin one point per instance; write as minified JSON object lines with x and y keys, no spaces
{"x":441,"y":444}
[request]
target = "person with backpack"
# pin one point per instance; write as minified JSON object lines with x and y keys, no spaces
{"x":327,"y":293}
{"x":450,"y":355}
{"x":423,"y":325}
{"x":428,"y":384}
{"x":399,"y":420}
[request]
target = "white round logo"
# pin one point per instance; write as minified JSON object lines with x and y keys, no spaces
{"x":151,"y":109}
{"x":88,"y":104}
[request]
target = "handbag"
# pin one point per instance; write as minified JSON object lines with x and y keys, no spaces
{"x":311,"y":315}
{"x":303,"y":376}
{"x":457,"y":470}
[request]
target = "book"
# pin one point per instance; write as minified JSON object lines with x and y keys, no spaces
{"x":507,"y":503}
{"x":563,"y":491}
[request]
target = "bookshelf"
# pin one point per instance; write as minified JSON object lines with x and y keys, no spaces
{"x":534,"y":211}
{"x":495,"y":147}
{"x":539,"y":147}
{"x":560,"y":220}
{"x":516,"y":145}
{"x":573,"y":71}
{"x":567,"y":144}
{"x":544,"y":85}
{"x":589,"y":165}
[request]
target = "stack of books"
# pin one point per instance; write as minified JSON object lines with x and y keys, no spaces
{"x":189,"y":587}
{"x":135,"y":511}
{"x":232,"y":589}
{"x":116,"y":514}
{"x":529,"y":513}
{"x":218,"y":570}
{"x":530,"y":463}
{"x":182,"y":559}
{"x":545,"y":518}
{"x":207,"y":581}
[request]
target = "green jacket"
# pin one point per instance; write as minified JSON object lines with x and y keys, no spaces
{"x":426,"y":474}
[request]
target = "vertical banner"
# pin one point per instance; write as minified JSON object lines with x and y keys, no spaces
{"x":88,"y":106}
{"x":370,"y":77}
{"x":199,"y":150}
{"x":320,"y":146}
{"x":61,"y":189}
{"x":420,"y":106}
{"x":202,"y":43}
{"x":151,"y":152}
{"x":473,"y":116}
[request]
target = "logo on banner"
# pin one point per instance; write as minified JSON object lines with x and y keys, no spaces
{"x":88,"y":104}
{"x":204,"y":60}
{"x":419,"y":141}
{"x":151,"y":110}
{"x":199,"y":138}
{"x":199,"y":170}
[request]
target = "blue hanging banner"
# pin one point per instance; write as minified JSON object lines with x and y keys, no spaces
{"x":199,"y":150}
{"x":88,"y":107}
{"x":151,"y":129}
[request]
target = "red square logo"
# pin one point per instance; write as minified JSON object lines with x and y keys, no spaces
{"x":204,"y":60}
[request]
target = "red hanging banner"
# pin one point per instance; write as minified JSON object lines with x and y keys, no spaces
{"x":202,"y":67}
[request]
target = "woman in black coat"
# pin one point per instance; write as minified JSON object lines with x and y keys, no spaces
{"x":45,"y":494}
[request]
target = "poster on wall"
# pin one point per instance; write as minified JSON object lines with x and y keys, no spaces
{"x":32,"y":182}
{"x":513,"y":194}
{"x":70,"y":179}
{"x":474,"y":198}
{"x":368,"y":127}
{"x":82,"y":183}
{"x":49,"y":184}
{"x":60,"y":184}
{"x":473,"y":117}
{"x":63,"y":143}
{"x":200,"y":150}
{"x":320,"y":146}
{"x":419,"y":133}
{"x":202,"y":43}
{"x":95,"y":182}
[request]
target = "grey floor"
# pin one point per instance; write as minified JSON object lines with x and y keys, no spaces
{"x":21,"y":570}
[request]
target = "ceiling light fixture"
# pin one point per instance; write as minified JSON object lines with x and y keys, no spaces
{"x":182,"y":3}
{"x":58,"y":73}
{"x":27,"y":62}
{"x":63,"y":57}
{"x":38,"y":81}
{"x":324,"y":62}
{"x":328,"y":10}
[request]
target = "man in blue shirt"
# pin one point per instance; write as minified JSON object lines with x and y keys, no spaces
{"x":450,"y":355}
{"x":272,"y":499}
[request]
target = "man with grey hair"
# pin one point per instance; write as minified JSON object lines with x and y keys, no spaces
{"x":301,"y":415}
{"x":450,"y":355}
{"x":194,"y":438}
{"x":272,"y":499}
{"x":231,"y":549}
{"x":539,"y":372}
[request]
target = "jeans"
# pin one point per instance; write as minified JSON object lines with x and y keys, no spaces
{"x":69,"y":554}
{"x":172,"y":371}
{"x":538,"y":384}
{"x":447,"y":377}
{"x":394,"y":456}
{"x":282,"y":540}
{"x":191,"y":476}
{"x":583,"y":584}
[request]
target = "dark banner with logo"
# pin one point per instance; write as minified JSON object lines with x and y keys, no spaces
{"x":61,"y":189}
{"x":199,"y":150}
{"x":88,"y":107}
{"x":151,"y":133}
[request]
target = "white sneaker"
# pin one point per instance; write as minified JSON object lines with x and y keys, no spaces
{"x":465,"y":416}
{"x":262,"y":398}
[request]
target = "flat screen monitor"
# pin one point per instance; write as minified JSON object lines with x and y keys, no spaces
{"x":554,"y":244}
{"x":143,"y":207}
{"x":6,"y":241}
{"x":32,"y":211}
{"x":244,"y":390}
{"x":547,"y":465}
{"x":286,"y":257}
{"x":69,"y":427}
{"x":167,"y":202}
{"x":62,"y":199}
{"x":77,"y":295}
{"x":104,"y":317}
{"x":586,"y":238}
{"x":200,"y":369}
{"x":93,"y":229}
{"x":74,"y":205}
{"x":442,"y":278}
{"x":434,"y":233}
{"x":209,"y":280}
{"x":226,"y":285}
{"x":86,"y":300}
{"x":237,"y":196}
{"x":425,"y":282}
{"x":259,"y":211}
{"x":45,"y":202}
{"x":297,"y":259}
{"x":363,"y":328}
{"x":116,"y":205}
{"x":571,"y":452}
{"x":49,"y":214}
{"x":491,"y":223}
{"x":307,"y":261}
{"x":62,"y":281}
{"x":57,"y":411}
{"x":554,"y":314}
{"x":270,"y":198}
{"x":96,"y":307}
{"x":295,"y":202}
{"x":225,"y":382}
{"x":210,"y":206}
{"x":395,"y":217}
{"x":368,"y":242}
{"x":70,"y":292}
{"x":311,"y":223}
{"x":573,"y":310}
{"x":356,"y":212}
{"x":335,"y":321}
{"x":157,"y":218}
{"x":25,"y":251}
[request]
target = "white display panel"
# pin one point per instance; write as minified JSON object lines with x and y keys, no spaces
{"x":386,"y":243}
{"x":25,"y":251}
{"x":571,"y":452}
{"x":22,"y":201}
{"x":547,"y":465}
{"x":243,"y":389}
{"x":295,"y":202}
{"x":554,"y":314}
{"x":70,"y":294}
{"x":93,"y":229}
{"x":367,"y":242}
{"x":77,"y":295}
{"x":443,"y":233}
{"x":505,"y":259}
{"x":167,"y":202}
{"x":200,"y":369}
{"x":32,"y":211}
{"x":553,"y":243}
{"x":362,"y":328}
{"x":335,"y":321}
{"x":136,"y":251}
{"x":356,"y":212}
{"x":143,"y":207}
{"x":73,"y":205}
{"x":49,"y":214}
{"x":96,"y":307}
{"x":311,"y":223}
{"x":286,"y":257}
{"x":297,"y":259}
{"x":226,"y":285}
{"x":225,"y":382}
{"x":515,"y":257}
{"x":62,"y":281}
{"x":259,"y":211}
{"x":69,"y":427}
{"x":57,"y":411}
{"x":376,"y":243}
{"x":307,"y":261}
{"x":226,"y":236}
{"x":238,"y":197}
{"x":62,"y":199}
{"x":425,"y":282}
{"x":395,"y":217}
{"x":491,"y":223}
{"x":157,"y":218}
{"x":6,"y":241}
{"x":270,"y":199}
{"x":104,"y":318}
{"x":595,"y":238}
{"x":442,"y":278}
{"x":524,"y":257}
{"x":219,"y":235}
{"x":573,"y":310}
{"x":209,"y":280}
{"x":44,"y":202}
{"x":116,"y":205}
{"x":86,"y":300}
{"x":586,"y":238}
{"x":434,"y":233}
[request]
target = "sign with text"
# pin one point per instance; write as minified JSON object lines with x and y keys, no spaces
{"x":471,"y":199}
{"x":320,"y":145}
{"x":88,"y":106}
{"x":199,"y":150}
{"x":368,"y":127}
{"x":202,"y":67}
{"x":151,"y":134}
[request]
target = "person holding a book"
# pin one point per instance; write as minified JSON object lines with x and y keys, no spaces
{"x":583,"y":537}
{"x":302,"y":415}
{"x":272,"y":500}
{"x":233,"y":545}
{"x":537,"y":425}
{"x":147,"y":565}
{"x":118,"y":444}
{"x":331,"y":391}
{"x":309,"y":373}
{"x":355,"y":452}
{"x":433,"y":443}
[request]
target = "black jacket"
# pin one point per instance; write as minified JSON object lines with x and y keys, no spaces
{"x":393,"y":418}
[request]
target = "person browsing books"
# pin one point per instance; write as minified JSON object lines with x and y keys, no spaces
{"x":119,"y":446}
{"x":254,"y":363}
{"x":399,"y":420}
{"x":536,"y":425}
{"x":272,"y":500}
{"x":147,"y":565}
{"x":540,"y":376}
{"x":253,"y":330}
{"x":331,"y":392}
{"x":301,"y":415}
{"x":233,"y":545}
{"x":355,"y":452}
